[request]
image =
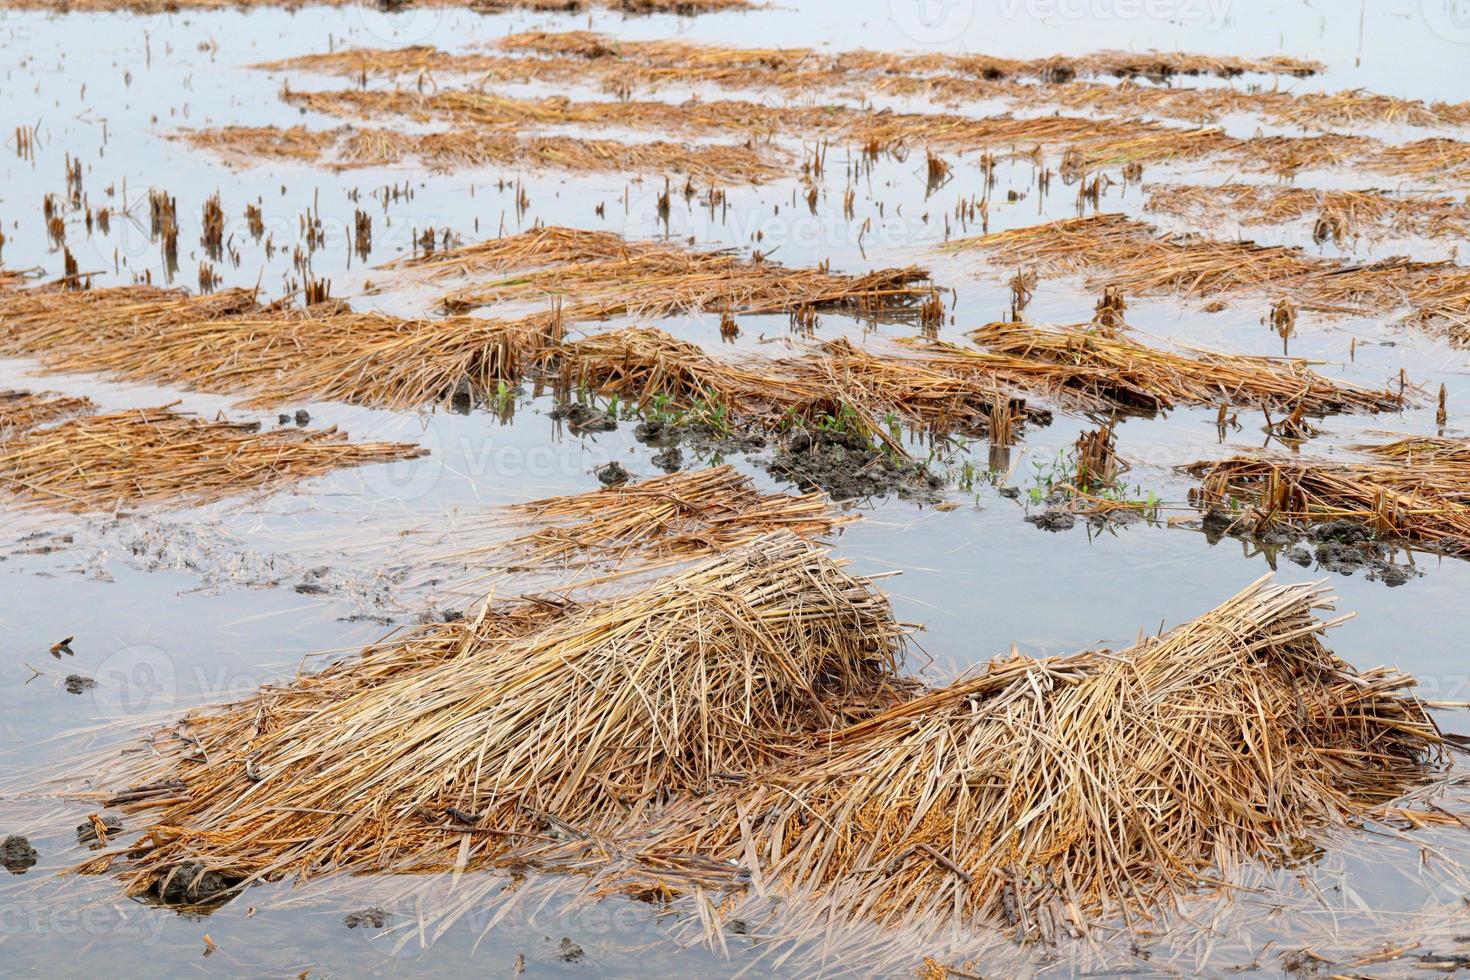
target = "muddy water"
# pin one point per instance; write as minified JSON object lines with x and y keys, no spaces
{"x":176,"y":609}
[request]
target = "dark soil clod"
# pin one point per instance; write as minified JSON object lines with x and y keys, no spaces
{"x":847,"y":467}
{"x":653,"y":431}
{"x":568,"y":951}
{"x":611,"y":474}
{"x":583,"y":418}
{"x":375,"y":917}
{"x":87,"y":833}
{"x":191,"y":883}
{"x":17,"y":854}
{"x":670,"y":460}
{"x":1053,"y":520}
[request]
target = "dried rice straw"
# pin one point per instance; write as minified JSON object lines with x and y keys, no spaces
{"x":160,"y":456}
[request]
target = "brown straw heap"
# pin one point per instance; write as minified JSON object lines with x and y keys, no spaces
{"x":1191,"y":377}
{"x":1420,"y":490}
{"x":445,"y":747}
{"x":345,"y":147}
{"x":744,"y":714}
{"x":1339,"y":216}
{"x":608,"y":533}
{"x":1117,"y":251}
{"x":1050,"y":794}
{"x":21,"y":410}
{"x":228,"y":343}
{"x":656,"y":280}
{"x":159,"y":456}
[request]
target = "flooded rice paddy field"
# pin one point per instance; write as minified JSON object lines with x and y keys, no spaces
{"x":185,"y":599}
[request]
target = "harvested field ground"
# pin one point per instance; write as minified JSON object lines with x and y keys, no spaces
{"x":683,"y":8}
{"x":798,"y":518}
{"x":1087,"y":143}
{"x":746,"y":119}
{"x":649,"y":65}
{"x":674,"y":54}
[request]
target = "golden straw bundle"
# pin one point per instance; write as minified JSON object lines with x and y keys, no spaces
{"x":625,"y":528}
{"x":442,"y":748}
{"x":1195,"y":377}
{"x":21,"y":410}
{"x":159,"y":456}
{"x":1420,"y":491}
{"x":1050,"y":794}
{"x":229,"y":344}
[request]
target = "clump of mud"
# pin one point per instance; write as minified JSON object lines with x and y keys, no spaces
{"x":1053,"y":520}
{"x":699,"y":438}
{"x":370,"y":918}
{"x":705,"y":443}
{"x":190,"y":883}
{"x":846,"y":466}
{"x":584,"y":418}
{"x":17,"y":854}
{"x":612,"y":474}
{"x":87,"y":831}
{"x":670,"y":459}
{"x":1342,"y":546}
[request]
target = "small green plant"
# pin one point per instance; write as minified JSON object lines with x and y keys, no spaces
{"x":895,"y":427}
{"x":706,"y":411}
{"x":846,"y":420}
{"x":659,"y":410}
